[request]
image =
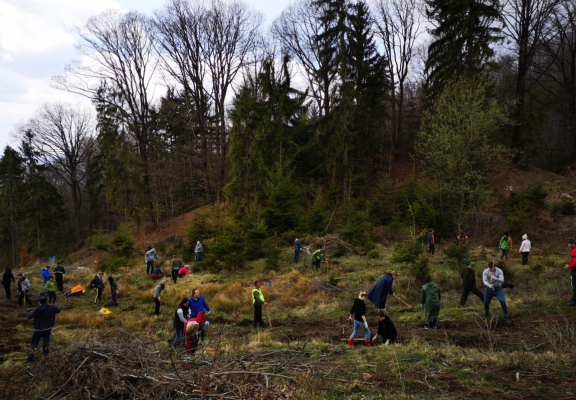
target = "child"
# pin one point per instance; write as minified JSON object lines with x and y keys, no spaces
{"x":386,"y":329}
{"x":51,"y":289}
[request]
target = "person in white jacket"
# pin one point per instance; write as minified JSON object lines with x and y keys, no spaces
{"x":525,"y":248}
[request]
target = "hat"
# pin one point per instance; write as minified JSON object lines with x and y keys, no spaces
{"x":571,"y":241}
{"x":472,"y":263}
{"x":163,"y":283}
{"x":524,"y":237}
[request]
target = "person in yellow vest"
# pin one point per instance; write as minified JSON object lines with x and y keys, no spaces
{"x":258,"y":301}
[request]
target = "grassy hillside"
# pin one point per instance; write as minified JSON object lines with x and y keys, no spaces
{"x":468,"y":356}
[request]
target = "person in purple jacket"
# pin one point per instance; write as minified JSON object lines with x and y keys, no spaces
{"x":197,"y":304}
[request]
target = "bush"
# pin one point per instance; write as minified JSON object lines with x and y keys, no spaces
{"x":123,"y":243}
{"x":568,"y":207}
{"x":271,"y":252}
{"x":536,"y":269}
{"x":373,"y":254}
{"x":420,"y":268}
{"x":288,"y":238}
{"x":406,"y":252}
{"x":100,"y":241}
{"x":340,"y":251}
{"x":508,"y":273}
{"x":255,"y":236}
{"x":113,"y":263}
{"x":199,"y":229}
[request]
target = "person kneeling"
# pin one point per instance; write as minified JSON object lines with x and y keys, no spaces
{"x":386,"y":330}
{"x":157,"y":273}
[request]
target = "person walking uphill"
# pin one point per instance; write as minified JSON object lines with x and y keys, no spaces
{"x":176,"y":265}
{"x":505,"y":245}
{"x":257,"y":302}
{"x":316,"y":259}
{"x":430,"y":301}
{"x":59,"y":272}
{"x":524,"y":249}
{"x":44,"y":317}
{"x":379,"y":292}
{"x":572,"y":268}
{"x":431,"y":241}
{"x":149,"y":258}
{"x":157,"y":298}
{"x":297,"y":250}
{"x":7,"y":279}
{"x":358,"y":315}
{"x":493,"y":278}
{"x":468,"y":276}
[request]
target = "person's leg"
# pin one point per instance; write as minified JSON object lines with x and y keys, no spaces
{"x":46,"y":342}
{"x":383,"y":304}
{"x":506,"y":254}
{"x":34,"y":342}
{"x":355,"y":331}
{"x":113,"y":293}
{"x":296,"y":256}
{"x":51,"y":297}
{"x":204,"y":327}
{"x":499,"y":293}
{"x":174,"y":275}
{"x":573,"y":283}
{"x":258,"y":315}
{"x":27,"y":298}
{"x":464,"y":297}
{"x":60,"y":283}
{"x":20,"y":298}
{"x":366,"y":333}
{"x":488,"y":294}
{"x":157,"y":309}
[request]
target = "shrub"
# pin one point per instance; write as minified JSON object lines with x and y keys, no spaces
{"x":508,"y":272}
{"x":374,"y":253}
{"x":100,"y":241}
{"x":271,"y":252}
{"x":123,"y":242}
{"x":536,"y":269}
{"x":112,"y":264}
{"x":199,"y":229}
{"x":288,"y":238}
{"x":568,"y":207}
{"x":406,"y":252}
{"x":420,"y":268}
{"x":255,"y":236}
{"x":340,"y":251}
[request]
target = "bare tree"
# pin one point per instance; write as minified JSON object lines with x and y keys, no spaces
{"x":527,"y":25}
{"x":119,"y":57}
{"x":63,"y":139}
{"x":399,"y":24}
{"x":297,"y":30}
{"x":204,"y":46}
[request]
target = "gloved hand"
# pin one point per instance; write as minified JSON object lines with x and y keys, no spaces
{"x":421,"y":305}
{"x":207,"y":312}
{"x":159,"y":299}
{"x":350,"y":318}
{"x":387,"y":342}
{"x":366,"y":325}
{"x":491,"y":286}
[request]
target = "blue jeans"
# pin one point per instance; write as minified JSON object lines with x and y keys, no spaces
{"x":504,"y":254}
{"x":149,"y":266}
{"x":179,"y":334}
{"x":114,"y":297}
{"x":36,"y":336}
{"x":198,"y":256}
{"x":499,"y":293}
{"x":296,"y":255}
{"x":358,"y":324}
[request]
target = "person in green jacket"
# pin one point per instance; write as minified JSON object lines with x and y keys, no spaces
{"x":316,"y":258}
{"x":505,"y":245}
{"x":430,"y":299}
{"x":50,"y":288}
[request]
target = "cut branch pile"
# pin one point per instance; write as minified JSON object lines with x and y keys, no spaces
{"x":329,"y":244}
{"x":128,"y":368}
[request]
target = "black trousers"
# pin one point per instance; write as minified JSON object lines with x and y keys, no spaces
{"x":175,"y":275}
{"x":99,"y":293}
{"x":7,"y":290}
{"x":51,"y":297}
{"x":258,"y":315}
{"x":24,"y":296}
{"x":525,"y":255}
{"x":60,"y":282}
{"x":466,"y":292}
{"x":157,"y":309}
{"x":431,"y":249}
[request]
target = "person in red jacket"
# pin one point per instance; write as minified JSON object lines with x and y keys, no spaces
{"x":193,"y":327}
{"x":572,"y":268}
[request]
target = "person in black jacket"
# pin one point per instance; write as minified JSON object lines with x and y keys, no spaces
{"x":7,"y":279}
{"x":23,"y":288}
{"x":99,"y":278}
{"x":469,"y":284}
{"x":386,"y":329}
{"x":44,"y":317}
{"x":180,"y":320}
{"x":358,"y":312}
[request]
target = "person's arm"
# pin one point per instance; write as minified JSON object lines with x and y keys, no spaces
{"x":181,"y":315}
{"x":205,"y":305}
{"x":499,"y":277}
{"x":56,"y":309}
{"x":423,"y":297}
{"x":257,"y":299}
{"x":572,"y":265}
{"x":485,"y":278}
{"x":439,"y":294}
{"x":31,"y":314}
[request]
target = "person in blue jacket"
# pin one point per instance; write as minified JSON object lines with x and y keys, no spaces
{"x":297,"y":250}
{"x":197,"y":304}
{"x":379,"y":292}
{"x":46,"y":274}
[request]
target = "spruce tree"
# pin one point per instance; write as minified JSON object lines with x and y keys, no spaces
{"x":464,"y":33}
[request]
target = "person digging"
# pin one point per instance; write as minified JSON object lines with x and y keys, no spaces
{"x":493,"y":278}
{"x":386,"y":330}
{"x":380,"y":291}
{"x":316,"y":259}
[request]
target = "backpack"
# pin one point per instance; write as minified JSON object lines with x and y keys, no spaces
{"x":94,"y":283}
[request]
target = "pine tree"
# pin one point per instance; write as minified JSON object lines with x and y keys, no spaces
{"x":464,"y":33}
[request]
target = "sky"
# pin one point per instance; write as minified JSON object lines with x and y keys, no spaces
{"x":37,"y":41}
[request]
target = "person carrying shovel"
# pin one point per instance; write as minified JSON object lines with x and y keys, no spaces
{"x":257,"y":302}
{"x":379,"y":292}
{"x":316,"y":258}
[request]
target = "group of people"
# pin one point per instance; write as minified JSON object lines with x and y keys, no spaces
{"x":190,"y":320}
{"x":22,"y":286}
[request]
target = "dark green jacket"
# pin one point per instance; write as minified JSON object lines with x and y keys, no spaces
{"x":468,"y":278}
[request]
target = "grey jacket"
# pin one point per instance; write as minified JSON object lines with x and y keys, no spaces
{"x":159,"y":289}
{"x":497,"y":278}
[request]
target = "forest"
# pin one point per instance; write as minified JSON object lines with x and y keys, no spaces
{"x":298,"y":126}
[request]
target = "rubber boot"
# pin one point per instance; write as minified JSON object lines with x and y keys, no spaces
{"x":350,"y":341}
{"x":367,"y":343}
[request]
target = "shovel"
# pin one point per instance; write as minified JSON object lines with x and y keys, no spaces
{"x":402,"y":301}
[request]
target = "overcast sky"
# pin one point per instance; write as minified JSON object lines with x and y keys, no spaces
{"x":37,"y":41}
